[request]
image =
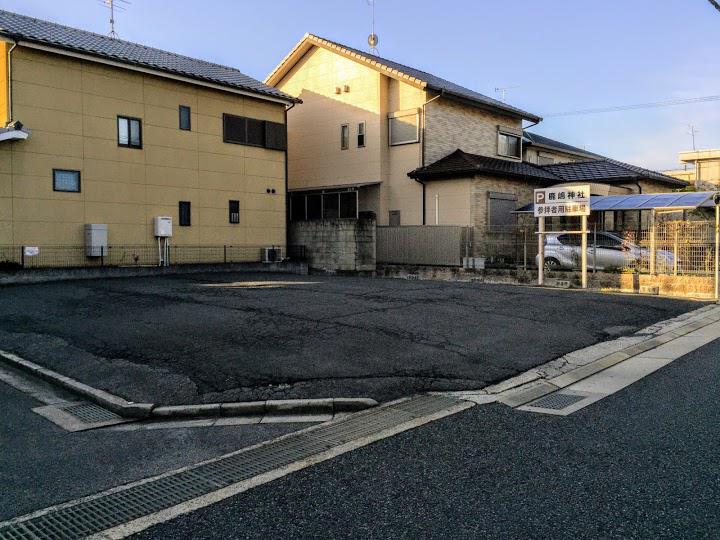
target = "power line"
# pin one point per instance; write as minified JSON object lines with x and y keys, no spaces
{"x":715,"y":4}
{"x":651,"y":105}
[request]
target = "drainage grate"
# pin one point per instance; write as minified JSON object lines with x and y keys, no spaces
{"x":89,"y":413}
{"x":556,"y":401}
{"x":111,"y":509}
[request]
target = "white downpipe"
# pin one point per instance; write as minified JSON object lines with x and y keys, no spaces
{"x":437,"y":209}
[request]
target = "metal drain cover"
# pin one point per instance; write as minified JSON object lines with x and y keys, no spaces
{"x":79,"y":416}
{"x":110,"y":509}
{"x":562,"y":402}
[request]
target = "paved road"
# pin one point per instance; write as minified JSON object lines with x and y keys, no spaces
{"x":176,"y":340}
{"x":642,"y":463}
{"x":41,"y":464}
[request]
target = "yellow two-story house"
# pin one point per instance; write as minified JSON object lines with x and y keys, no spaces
{"x":100,"y":131}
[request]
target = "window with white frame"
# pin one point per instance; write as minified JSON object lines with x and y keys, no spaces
{"x":344,"y":137}
{"x":403,"y":127}
{"x":509,"y":145}
{"x":361,"y":135}
{"x":545,"y":160}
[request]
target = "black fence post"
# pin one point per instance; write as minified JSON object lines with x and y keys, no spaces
{"x":102,"y":256}
{"x":22,"y":256}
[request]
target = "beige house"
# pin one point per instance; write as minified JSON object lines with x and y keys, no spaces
{"x":702,"y":169}
{"x":376,"y":136}
{"x":106,"y":132}
{"x":366,"y":122}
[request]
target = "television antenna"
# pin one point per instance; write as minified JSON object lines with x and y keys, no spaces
{"x":112,"y":6}
{"x":373,"y":38}
{"x":503,"y":91}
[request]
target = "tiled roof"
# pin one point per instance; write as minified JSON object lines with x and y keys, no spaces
{"x":608,"y":170}
{"x":430,"y":81}
{"x":461,"y":163}
{"x":604,"y":171}
{"x":534,"y":138}
{"x":22,"y":28}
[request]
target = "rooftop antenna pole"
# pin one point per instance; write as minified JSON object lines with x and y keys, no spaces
{"x":372,"y":38}
{"x":112,"y":5}
{"x":692,"y":133}
{"x":503,"y":91}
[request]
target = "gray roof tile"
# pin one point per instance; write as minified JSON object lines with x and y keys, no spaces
{"x":438,"y":84}
{"x":20,"y":27}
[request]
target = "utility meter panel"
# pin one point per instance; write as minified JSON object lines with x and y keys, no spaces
{"x":163,"y":226}
{"x":96,"y":240}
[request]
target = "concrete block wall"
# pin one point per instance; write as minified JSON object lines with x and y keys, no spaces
{"x":332,"y":245}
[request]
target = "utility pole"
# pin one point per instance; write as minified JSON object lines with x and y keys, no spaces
{"x":693,"y":131}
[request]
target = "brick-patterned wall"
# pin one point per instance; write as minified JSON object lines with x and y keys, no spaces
{"x":450,"y":125}
{"x":337,"y":244}
{"x":482,"y":185}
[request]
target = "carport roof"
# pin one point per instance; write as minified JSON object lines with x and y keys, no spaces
{"x":657,"y":201}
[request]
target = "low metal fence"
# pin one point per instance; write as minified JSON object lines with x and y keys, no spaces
{"x":680,"y":248}
{"x":432,"y":245}
{"x":22,"y":257}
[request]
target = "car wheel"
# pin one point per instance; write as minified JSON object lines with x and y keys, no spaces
{"x":552,"y":265}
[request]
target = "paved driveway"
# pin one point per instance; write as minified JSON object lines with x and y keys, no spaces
{"x":228,"y":337}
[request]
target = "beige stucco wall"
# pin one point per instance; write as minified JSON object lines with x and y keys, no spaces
{"x":451,"y":125}
{"x":315,"y":156}
{"x":4,"y":48}
{"x":450,"y":201}
{"x":71,"y":108}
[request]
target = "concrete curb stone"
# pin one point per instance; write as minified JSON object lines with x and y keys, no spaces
{"x":129,"y":409}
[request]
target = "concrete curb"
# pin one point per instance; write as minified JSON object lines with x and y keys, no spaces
{"x":43,"y":275}
{"x":129,"y":409}
{"x":548,"y":378}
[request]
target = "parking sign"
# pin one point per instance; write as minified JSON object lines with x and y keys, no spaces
{"x":563,"y":201}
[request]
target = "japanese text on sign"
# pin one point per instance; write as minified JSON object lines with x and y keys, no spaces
{"x":562,"y":201}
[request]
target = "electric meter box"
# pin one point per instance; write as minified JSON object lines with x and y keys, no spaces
{"x":163,"y":226}
{"x":96,"y":240}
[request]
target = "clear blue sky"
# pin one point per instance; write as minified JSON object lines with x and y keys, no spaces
{"x":561,"y":54}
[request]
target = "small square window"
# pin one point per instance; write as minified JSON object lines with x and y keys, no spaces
{"x":185,"y":117}
{"x":64,"y":180}
{"x":234,"y":210}
{"x":129,"y":132}
{"x":344,"y":137}
{"x":361,"y":135}
{"x":184,"y":213}
{"x":509,"y":145}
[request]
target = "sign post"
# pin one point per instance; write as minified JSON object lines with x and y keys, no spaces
{"x":562,"y":201}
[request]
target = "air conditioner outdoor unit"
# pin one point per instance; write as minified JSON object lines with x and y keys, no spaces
{"x":272,"y":254}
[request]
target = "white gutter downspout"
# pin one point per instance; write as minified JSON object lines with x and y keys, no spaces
{"x":9,"y":88}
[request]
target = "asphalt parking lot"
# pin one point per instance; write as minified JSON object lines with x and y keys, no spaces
{"x":235,"y":337}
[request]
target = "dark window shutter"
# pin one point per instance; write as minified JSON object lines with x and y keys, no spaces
{"x":255,"y":132}
{"x":234,"y":129}
{"x":275,"y":136}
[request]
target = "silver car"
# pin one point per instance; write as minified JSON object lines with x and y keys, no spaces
{"x":562,"y":252}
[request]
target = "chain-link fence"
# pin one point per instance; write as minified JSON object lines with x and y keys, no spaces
{"x":20,"y":257}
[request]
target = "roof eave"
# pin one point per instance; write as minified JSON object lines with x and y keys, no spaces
{"x":515,"y":113}
{"x":135,"y":66}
